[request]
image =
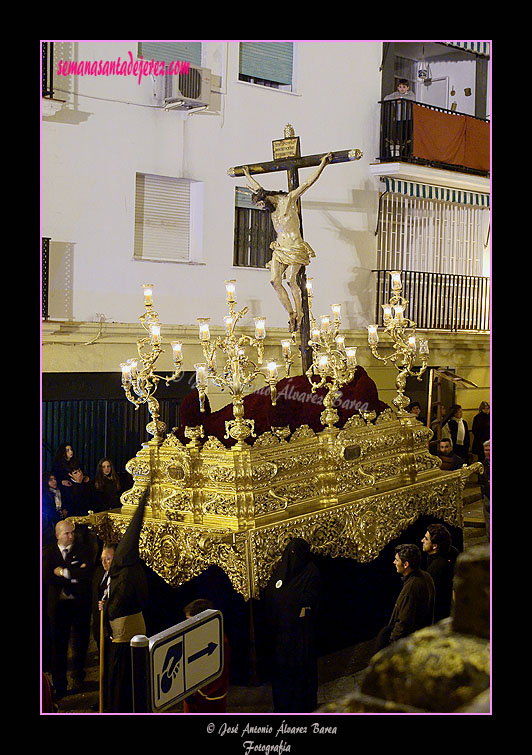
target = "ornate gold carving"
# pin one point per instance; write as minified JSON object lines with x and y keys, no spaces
{"x":348,"y":492}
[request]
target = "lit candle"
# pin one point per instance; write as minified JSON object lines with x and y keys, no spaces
{"x":336,"y":308}
{"x":351,"y":353}
{"x":148,"y":291}
{"x":133,"y":364}
{"x":176,"y":349}
{"x":387,"y":311}
{"x":272,"y":370}
{"x":285,"y":344}
{"x":155,"y":331}
{"x":323,"y":363}
{"x":340,"y":342}
{"x":315,"y":334}
{"x":204,"y":328}
{"x":412,"y":343}
{"x":228,"y":320}
{"x":126,"y":372}
{"x":396,"y":281}
{"x":230,"y":290}
{"x":325,"y":323}
{"x":260,"y":328}
{"x":373,"y":337}
{"x":201,"y":375}
{"x":309,"y":286}
{"x":398,"y":311}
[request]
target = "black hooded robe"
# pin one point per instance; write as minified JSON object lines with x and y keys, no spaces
{"x":291,"y":601}
{"x":128,"y":598}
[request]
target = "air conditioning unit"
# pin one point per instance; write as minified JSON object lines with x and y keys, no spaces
{"x":187,"y":90}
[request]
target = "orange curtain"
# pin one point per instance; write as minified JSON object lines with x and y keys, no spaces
{"x":452,"y":139}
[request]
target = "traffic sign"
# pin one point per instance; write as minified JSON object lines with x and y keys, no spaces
{"x":184,"y":658}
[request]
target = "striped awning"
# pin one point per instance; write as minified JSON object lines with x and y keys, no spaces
{"x":442,"y":193}
{"x":480,"y":48}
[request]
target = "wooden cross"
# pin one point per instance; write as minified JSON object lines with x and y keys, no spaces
{"x":287,"y":157}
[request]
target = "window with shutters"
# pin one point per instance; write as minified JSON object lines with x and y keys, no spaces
{"x":427,"y":235}
{"x":254,"y":232}
{"x":269,"y":64}
{"x":168,"y":219}
{"x":171,"y":51}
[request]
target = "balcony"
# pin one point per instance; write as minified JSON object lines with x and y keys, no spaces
{"x":439,"y":301}
{"x":426,"y":135}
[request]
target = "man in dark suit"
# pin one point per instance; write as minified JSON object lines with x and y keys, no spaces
{"x":67,"y":574}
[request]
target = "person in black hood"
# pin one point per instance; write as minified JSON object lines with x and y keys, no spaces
{"x":291,"y":601}
{"x":123,"y":610}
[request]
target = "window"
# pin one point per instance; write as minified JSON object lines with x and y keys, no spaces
{"x":254,"y":232}
{"x":171,"y":51}
{"x":267,"y":63}
{"x":168,"y":219}
{"x":428,"y":235}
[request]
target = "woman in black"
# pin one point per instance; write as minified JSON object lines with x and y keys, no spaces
{"x":107,"y":485}
{"x":65,"y":461}
{"x":455,"y":427}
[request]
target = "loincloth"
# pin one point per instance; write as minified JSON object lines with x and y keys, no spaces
{"x":294,"y":255}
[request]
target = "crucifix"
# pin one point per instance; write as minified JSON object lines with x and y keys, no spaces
{"x":291,"y":253}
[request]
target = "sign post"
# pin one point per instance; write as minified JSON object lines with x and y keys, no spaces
{"x":169,"y":666}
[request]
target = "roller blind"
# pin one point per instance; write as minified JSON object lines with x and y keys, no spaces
{"x":271,"y":61}
{"x":243,"y":198}
{"x":171,"y":51}
{"x":162,"y":218}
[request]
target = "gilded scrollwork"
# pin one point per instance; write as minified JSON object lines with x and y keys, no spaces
{"x":348,"y":491}
{"x":301,"y":433}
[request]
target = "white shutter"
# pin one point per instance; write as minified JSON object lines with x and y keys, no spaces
{"x":271,"y":61}
{"x":162,"y":218}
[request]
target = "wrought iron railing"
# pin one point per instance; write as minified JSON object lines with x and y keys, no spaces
{"x":439,"y":301}
{"x":396,"y":134}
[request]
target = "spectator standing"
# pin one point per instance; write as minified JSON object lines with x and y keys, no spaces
{"x":64,"y":462}
{"x":441,"y":558}
{"x":455,"y":427}
{"x":414,"y":607}
{"x":484,"y":479}
{"x":449,"y":460}
{"x":67,"y":574}
{"x":481,"y":430}
{"x":107,"y":485}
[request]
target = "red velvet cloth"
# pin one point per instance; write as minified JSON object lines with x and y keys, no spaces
{"x":452,"y":139}
{"x":296,"y":405}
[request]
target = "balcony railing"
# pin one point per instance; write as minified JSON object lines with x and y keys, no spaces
{"x":439,"y":301}
{"x":428,"y":135}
